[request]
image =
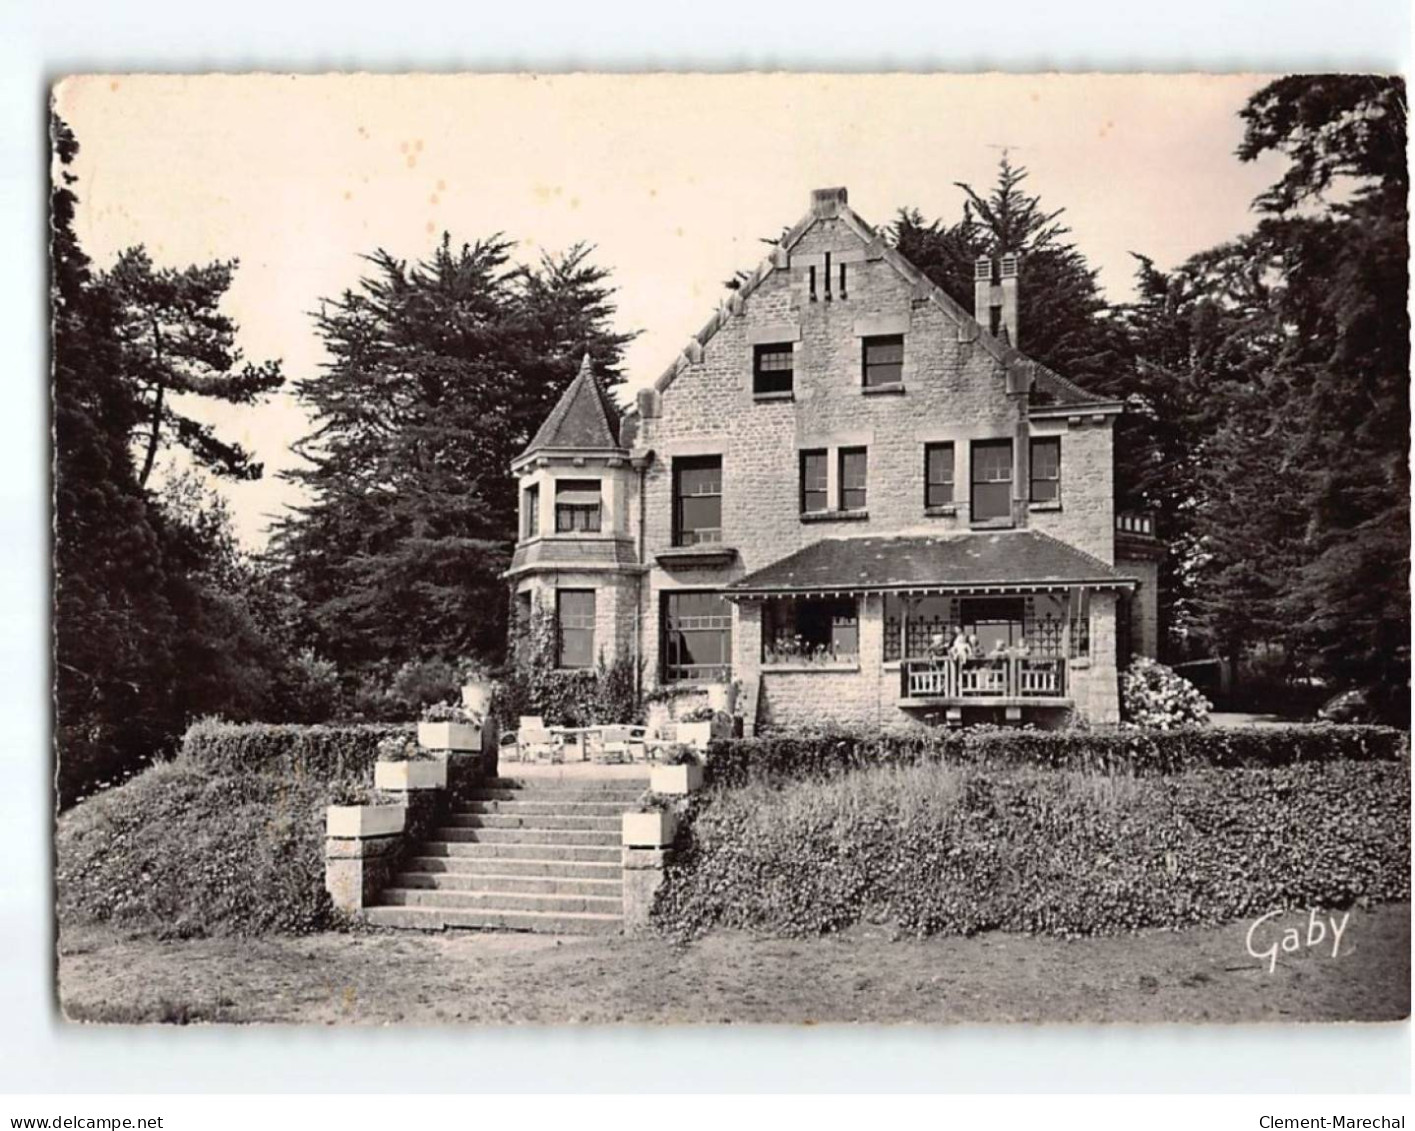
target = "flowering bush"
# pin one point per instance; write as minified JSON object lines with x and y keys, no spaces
{"x":402,"y":748}
{"x":1154,"y":697}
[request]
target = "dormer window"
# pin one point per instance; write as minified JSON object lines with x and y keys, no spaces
{"x":577,"y":506}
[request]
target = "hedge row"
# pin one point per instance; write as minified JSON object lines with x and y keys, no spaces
{"x":1122,"y":750}
{"x":958,"y":849}
{"x":288,"y":750}
{"x":178,"y":851}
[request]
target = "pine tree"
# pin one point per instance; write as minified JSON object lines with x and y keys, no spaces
{"x":176,"y":341}
{"x":1060,"y":311}
{"x":439,"y":373}
{"x":113,"y":666}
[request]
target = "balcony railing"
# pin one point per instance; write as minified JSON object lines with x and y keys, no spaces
{"x":1004,"y":678}
{"x":1135,"y":522}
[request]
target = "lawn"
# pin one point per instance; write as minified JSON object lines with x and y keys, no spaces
{"x":866,"y":975}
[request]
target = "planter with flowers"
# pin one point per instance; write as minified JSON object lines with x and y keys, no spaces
{"x":446,"y":726}
{"x":358,"y":813}
{"x":649,"y":826}
{"x":679,"y":774}
{"x":701,"y":725}
{"x":403,"y":766}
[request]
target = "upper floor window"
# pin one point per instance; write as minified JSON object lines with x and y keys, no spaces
{"x":575,"y":614}
{"x":853,"y":474}
{"x":992,"y":480}
{"x":530,"y":511}
{"x":697,"y":500}
{"x":577,"y":506}
{"x":1046,"y":469}
{"x":938,"y":475}
{"x":883,"y":361}
{"x":772,"y":367}
{"x":815,"y":482}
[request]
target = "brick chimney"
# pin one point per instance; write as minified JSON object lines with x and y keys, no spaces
{"x":995,"y":296}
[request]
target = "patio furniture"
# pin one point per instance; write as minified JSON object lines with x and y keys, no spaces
{"x":537,"y":742}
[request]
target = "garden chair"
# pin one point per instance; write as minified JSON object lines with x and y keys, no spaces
{"x":614,"y":745}
{"x":657,"y":744}
{"x":536,"y":742}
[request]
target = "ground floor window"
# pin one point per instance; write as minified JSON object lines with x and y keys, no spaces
{"x":575,"y":615}
{"x":696,"y":637}
{"x":811,"y":630}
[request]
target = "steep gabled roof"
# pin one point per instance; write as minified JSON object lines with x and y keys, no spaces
{"x":1008,"y":558}
{"x":584,"y":418}
{"x":832,"y":204}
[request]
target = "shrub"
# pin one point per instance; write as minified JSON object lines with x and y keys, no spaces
{"x":779,"y":757}
{"x":314,"y":753}
{"x":179,"y":851}
{"x":959,"y":849}
{"x":1155,"y":697}
{"x":420,"y":682}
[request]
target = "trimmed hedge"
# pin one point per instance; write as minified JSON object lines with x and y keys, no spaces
{"x":958,"y":849}
{"x":303,"y":753}
{"x":774,"y":758}
{"x":179,"y":852}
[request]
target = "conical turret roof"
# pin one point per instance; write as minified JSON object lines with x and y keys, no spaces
{"x":584,"y":417}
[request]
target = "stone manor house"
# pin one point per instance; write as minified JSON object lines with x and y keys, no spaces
{"x":841,"y":468}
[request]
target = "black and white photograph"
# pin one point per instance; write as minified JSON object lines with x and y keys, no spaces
{"x":678,"y":549}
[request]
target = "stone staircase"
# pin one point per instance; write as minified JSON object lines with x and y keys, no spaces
{"x":531,"y":854}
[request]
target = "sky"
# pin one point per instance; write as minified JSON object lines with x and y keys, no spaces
{"x":673,"y":178}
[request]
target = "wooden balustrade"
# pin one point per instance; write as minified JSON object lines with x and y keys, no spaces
{"x":1007,"y":678}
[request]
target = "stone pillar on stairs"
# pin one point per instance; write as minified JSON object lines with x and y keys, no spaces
{"x":643,"y":876}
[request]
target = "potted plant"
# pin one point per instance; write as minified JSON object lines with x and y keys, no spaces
{"x":446,"y":726}
{"x":649,"y":825}
{"x":403,"y":765}
{"x":695,"y":727}
{"x":680,"y":773}
{"x":357,"y":813}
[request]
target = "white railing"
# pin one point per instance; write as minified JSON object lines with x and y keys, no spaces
{"x":1009,"y":678}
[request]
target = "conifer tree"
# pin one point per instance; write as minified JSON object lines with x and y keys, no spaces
{"x":439,"y":373}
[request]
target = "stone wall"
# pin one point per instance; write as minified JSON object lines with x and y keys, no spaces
{"x":1144,"y":604}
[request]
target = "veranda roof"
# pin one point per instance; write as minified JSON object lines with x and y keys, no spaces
{"x":1004,"y":560}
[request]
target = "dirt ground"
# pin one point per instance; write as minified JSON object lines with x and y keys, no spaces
{"x":864,"y":976}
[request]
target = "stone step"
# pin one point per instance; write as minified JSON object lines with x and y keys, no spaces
{"x":543,"y":922}
{"x":527,"y":850}
{"x":568,"y":784}
{"x":626,"y":797}
{"x":546,"y":808}
{"x":501,"y":901}
{"x":533,"y":835}
{"x":610,"y":822}
{"x":499,"y":880}
{"x":561,"y":870}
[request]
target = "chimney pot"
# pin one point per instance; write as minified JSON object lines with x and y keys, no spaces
{"x":827,"y":202}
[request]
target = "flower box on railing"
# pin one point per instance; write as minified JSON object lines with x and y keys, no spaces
{"x":359,"y":822}
{"x":655,"y":829}
{"x":449,"y":736}
{"x":404,"y":776}
{"x":677,"y":780}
